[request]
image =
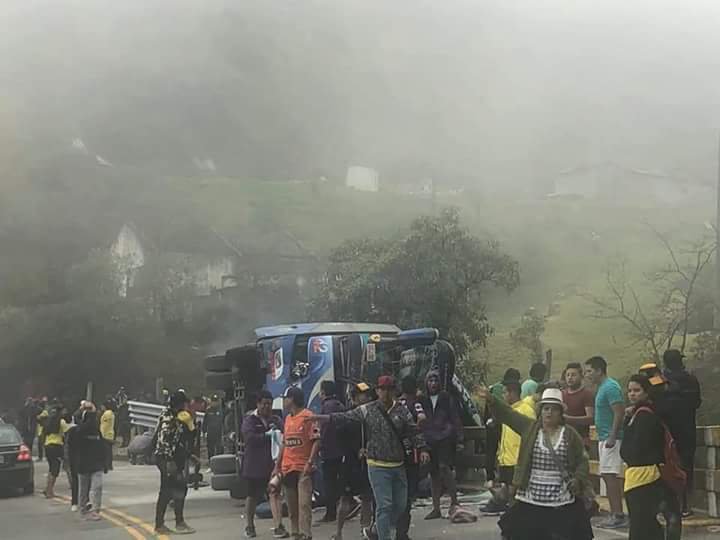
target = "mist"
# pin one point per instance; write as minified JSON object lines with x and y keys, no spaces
{"x":468,"y":93}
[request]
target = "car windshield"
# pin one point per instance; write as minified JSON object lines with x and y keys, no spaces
{"x":9,"y":435}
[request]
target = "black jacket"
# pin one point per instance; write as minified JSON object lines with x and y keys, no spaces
{"x":643,"y":439}
{"x":680,"y":402}
{"x":443,"y":420}
{"x":213,"y":422}
{"x":88,"y":449}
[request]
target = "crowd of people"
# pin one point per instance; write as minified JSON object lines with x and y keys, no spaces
{"x":370,"y":451}
{"x":373,"y":450}
{"x":645,"y":448}
{"x":77,"y":442}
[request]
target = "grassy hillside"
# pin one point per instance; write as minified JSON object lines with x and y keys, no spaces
{"x":563,"y":248}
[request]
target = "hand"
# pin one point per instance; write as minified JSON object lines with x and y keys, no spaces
{"x":424,"y":458}
{"x":575,"y":487}
{"x":610,"y":442}
{"x":483,"y":392}
{"x":309,"y":468}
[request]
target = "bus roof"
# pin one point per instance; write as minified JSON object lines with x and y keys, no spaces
{"x":325,"y":328}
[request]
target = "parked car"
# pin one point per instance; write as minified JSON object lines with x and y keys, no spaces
{"x":16,"y":464}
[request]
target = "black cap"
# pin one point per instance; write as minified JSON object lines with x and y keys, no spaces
{"x":295,"y":394}
{"x":511,"y":375}
{"x":673,"y":359}
{"x":178,"y":399}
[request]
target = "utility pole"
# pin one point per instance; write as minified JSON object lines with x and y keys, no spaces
{"x":716,"y":311}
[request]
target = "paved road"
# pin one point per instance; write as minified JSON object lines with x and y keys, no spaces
{"x":129,"y":500}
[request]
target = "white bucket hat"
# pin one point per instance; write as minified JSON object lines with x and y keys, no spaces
{"x":553,"y":396}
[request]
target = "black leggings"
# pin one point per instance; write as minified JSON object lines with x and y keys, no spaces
{"x":644,"y":503}
{"x":54,"y":454}
{"x":173,"y":487}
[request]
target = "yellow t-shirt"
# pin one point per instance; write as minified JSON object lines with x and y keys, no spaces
{"x":40,"y":417}
{"x":509,"y":447}
{"x":186,"y":418}
{"x":107,"y":425}
{"x":636,"y":477}
{"x":57,"y":438}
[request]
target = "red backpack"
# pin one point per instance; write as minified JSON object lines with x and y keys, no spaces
{"x":671,"y":470}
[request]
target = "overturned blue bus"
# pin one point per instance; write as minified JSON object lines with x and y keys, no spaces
{"x":306,"y":354}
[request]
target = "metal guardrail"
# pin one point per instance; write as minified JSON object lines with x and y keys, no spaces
{"x":146,"y":414}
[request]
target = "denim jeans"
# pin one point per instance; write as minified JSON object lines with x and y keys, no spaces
{"x":91,"y":488}
{"x":389,"y":485}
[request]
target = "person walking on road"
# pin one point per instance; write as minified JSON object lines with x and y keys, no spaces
{"x":42,"y":417}
{"x":212,"y":426}
{"x":296,"y":462}
{"x":643,"y":450}
{"x":551,"y":475}
{"x":330,"y":451}
{"x":443,"y":432}
{"x":257,"y":463}
{"x":54,"y":442}
{"x":355,"y":481}
{"x":682,"y":400}
{"x":28,"y":422}
{"x":609,"y":416}
{"x":174,"y":437}
{"x":392,"y":437}
{"x":409,"y":389}
{"x":107,"y":429}
{"x":89,"y":456}
{"x":71,"y":457}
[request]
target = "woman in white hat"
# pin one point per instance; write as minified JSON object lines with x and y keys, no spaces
{"x":551,"y":475}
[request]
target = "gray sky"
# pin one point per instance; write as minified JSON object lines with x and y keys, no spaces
{"x":467,"y":90}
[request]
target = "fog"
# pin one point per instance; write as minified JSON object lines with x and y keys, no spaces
{"x":466,"y":92}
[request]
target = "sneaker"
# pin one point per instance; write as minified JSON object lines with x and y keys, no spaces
{"x":184,"y":528}
{"x":74,"y":508}
{"x":493,"y":508}
{"x":280,"y":532}
{"x":614,"y":522}
{"x":163,"y":529}
{"x":93,"y":516}
{"x":687,"y":513}
{"x":250,"y":532}
{"x":354,"y":510}
{"x":434,"y":514}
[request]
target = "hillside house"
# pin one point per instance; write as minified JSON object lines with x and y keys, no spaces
{"x":363,"y":179}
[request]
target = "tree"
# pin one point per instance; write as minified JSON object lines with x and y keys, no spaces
{"x":529,"y":333}
{"x":434,"y":275}
{"x":676,"y":285}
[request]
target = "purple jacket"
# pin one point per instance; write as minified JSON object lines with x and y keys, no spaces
{"x":329,"y":447}
{"x":443,"y":421}
{"x":257,"y":461}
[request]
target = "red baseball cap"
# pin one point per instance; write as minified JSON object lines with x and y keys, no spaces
{"x":386,"y":381}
